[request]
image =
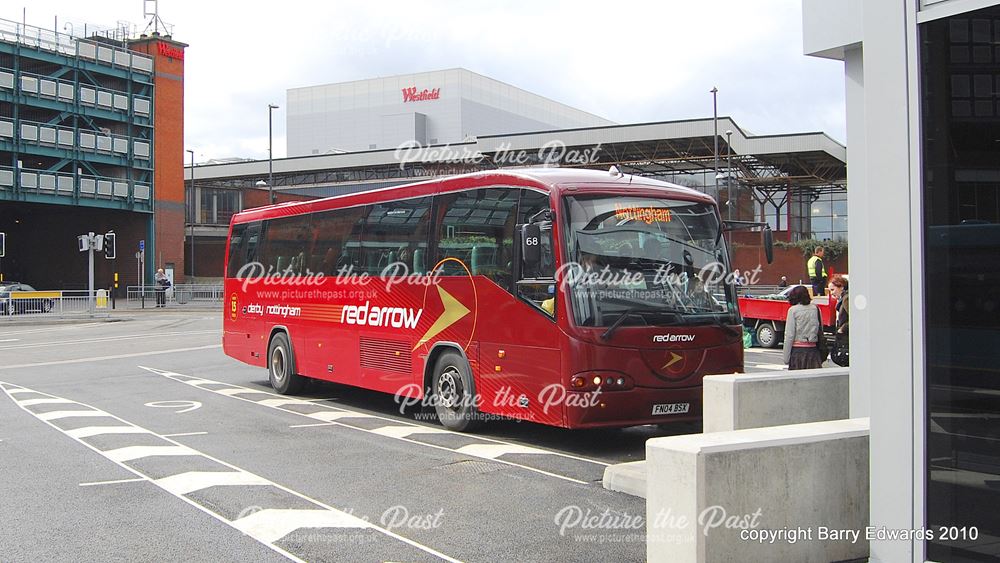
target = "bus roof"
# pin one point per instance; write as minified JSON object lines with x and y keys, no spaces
{"x":558,"y":180}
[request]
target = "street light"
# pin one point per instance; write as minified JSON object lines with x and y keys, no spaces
{"x":715,"y":136}
{"x":270,"y":152}
{"x":729,"y":171}
{"x":192,"y":204}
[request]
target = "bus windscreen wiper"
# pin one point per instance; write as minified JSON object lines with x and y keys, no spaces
{"x":634,"y":311}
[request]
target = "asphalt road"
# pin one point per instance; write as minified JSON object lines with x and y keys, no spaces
{"x":141,"y":440}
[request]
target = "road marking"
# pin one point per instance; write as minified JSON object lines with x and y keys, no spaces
{"x":333,"y":416}
{"x":404,"y":431}
{"x":90,"y":431}
{"x":117,"y":357}
{"x":185,"y":434}
{"x":115,"y":482}
{"x":57,"y":415}
{"x":271,"y":525}
{"x":312,"y":425}
{"x":10,"y":340}
{"x":263,"y":525}
{"x":33,"y":402}
{"x":492,"y":451}
{"x":184,"y":483}
{"x":230,"y":392}
{"x":98,"y":340}
{"x":283,"y":402}
{"x":185,"y":406}
{"x":49,"y":329}
{"x":130,"y":453}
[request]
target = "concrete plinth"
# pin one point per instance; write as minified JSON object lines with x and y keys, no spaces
{"x":712,"y":496}
{"x":737,"y":402}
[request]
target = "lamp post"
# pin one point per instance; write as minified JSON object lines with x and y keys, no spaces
{"x":191,"y":202}
{"x":715,"y":135}
{"x":729,"y":173}
{"x":270,"y":152}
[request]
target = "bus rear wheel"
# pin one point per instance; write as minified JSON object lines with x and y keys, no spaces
{"x":454,"y":393}
{"x":281,"y":366}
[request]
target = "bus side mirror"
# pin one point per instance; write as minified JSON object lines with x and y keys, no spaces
{"x":531,"y":245}
{"x":768,"y":240}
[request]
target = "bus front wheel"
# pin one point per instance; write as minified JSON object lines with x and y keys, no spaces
{"x":281,"y":366}
{"x":454,"y":393}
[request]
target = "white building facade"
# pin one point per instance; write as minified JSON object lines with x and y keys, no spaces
{"x":923,"y":136}
{"x":430,"y":108}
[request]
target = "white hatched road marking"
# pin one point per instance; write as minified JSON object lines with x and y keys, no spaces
{"x":130,"y":453}
{"x":404,"y":431}
{"x":271,"y":524}
{"x":333,"y":415}
{"x":58,"y":415}
{"x":192,"y":481}
{"x":89,"y":431}
{"x":115,"y":482}
{"x":492,"y":451}
{"x":265,"y":526}
{"x":330,"y":416}
{"x":33,"y":402}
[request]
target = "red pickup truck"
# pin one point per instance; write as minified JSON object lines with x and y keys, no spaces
{"x":766,"y":315}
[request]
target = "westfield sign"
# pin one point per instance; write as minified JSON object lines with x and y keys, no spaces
{"x":412,"y":95}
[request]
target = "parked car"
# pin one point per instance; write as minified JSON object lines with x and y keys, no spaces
{"x":9,"y":306}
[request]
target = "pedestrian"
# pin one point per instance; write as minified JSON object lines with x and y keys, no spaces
{"x":783,"y":283}
{"x":162,"y":283}
{"x":817,"y":272}
{"x":803,"y":329}
{"x":841,"y":344}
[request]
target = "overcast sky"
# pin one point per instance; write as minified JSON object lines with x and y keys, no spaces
{"x":626,"y":61}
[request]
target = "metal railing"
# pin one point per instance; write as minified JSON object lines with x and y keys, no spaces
{"x":180,"y":294}
{"x":53,"y":304}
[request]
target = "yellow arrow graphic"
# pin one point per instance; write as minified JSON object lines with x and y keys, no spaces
{"x":453,"y":311}
{"x":674,"y":358}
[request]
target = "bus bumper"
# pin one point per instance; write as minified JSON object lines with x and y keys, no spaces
{"x":636,"y":407}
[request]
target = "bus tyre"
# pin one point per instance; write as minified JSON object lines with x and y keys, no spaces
{"x":281,"y":366}
{"x":454,"y":393}
{"x":767,"y":335}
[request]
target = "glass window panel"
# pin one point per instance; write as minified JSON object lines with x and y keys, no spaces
{"x":961,"y":305}
{"x":983,"y":85}
{"x":394,"y":231}
{"x":337,"y":240}
{"x":960,"y":86}
{"x":478,"y":230}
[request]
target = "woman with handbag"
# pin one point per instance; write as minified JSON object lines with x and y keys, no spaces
{"x":803,"y":332}
{"x":841,"y":346}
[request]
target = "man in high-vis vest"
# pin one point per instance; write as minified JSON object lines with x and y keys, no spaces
{"x":817,"y":272}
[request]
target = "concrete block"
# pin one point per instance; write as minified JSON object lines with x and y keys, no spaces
{"x":628,"y":478}
{"x":711,"y":497}
{"x":737,"y":402}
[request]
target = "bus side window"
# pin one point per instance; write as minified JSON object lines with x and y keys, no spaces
{"x":537,"y":286}
{"x":394,"y":232}
{"x":336,"y":233}
{"x":237,"y":250}
{"x":477,"y":228}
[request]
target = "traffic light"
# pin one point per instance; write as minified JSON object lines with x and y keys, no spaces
{"x":3,"y":244}
{"x":109,"y":245}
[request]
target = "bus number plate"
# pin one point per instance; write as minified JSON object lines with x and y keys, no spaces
{"x":671,"y":408}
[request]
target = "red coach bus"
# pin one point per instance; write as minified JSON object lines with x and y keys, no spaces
{"x":573,"y":298}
